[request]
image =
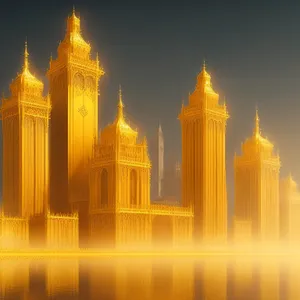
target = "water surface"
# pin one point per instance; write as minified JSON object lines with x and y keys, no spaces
{"x":106,"y":278}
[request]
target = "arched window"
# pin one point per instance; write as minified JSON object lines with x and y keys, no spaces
{"x":104,"y":188}
{"x":133,"y":187}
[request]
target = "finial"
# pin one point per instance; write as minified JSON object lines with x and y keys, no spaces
{"x":120,"y":104}
{"x":26,"y":56}
{"x":204,"y":65}
{"x":97,"y":59}
{"x":73,"y":10}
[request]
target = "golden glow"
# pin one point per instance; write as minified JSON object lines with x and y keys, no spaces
{"x":99,"y":194}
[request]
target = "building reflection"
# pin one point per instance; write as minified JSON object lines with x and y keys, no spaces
{"x":156,"y":278}
{"x":210,"y":274}
{"x":14,"y":278}
{"x":243,"y":283}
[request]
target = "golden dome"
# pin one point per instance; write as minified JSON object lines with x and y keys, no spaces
{"x":73,"y":41}
{"x":26,"y":80}
{"x":119,"y":127}
{"x":204,"y":80}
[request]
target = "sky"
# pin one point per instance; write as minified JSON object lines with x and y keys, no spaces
{"x":155,"y":52}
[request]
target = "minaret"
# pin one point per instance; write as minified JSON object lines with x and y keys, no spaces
{"x":25,"y":122}
{"x":73,"y":78}
{"x":203,"y":123}
{"x":257,"y":186}
{"x":160,"y":162}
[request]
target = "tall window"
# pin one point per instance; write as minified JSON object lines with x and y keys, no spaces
{"x":104,"y":188}
{"x":133,"y":187}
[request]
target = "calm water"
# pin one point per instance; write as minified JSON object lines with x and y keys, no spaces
{"x":149,"y":278}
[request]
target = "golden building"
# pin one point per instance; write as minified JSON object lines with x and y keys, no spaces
{"x":54,"y":231}
{"x":257,"y":186}
{"x":120,"y":209}
{"x":25,"y":121}
{"x":203,"y":123}
{"x":73,"y":78}
{"x":289,"y":210}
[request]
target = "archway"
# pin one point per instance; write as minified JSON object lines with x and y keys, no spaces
{"x":162,"y":231}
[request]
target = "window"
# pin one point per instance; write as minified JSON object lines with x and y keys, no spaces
{"x":133,"y":187}
{"x":104,"y":188}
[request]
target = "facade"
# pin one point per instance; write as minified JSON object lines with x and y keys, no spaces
{"x":25,"y":122}
{"x":120,"y":211}
{"x":73,"y":78}
{"x":289,"y":210}
{"x":257,"y":186}
{"x":203,"y":123}
{"x":54,"y":231}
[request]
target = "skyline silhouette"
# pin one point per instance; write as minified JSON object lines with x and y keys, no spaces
{"x":253,"y":64}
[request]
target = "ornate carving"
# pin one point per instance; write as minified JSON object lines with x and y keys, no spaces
{"x":78,"y":84}
{"x":37,"y":112}
{"x":90,"y":87}
{"x":83,"y":111}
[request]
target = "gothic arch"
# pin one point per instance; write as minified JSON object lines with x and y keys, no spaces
{"x":133,"y":187}
{"x":103,"y":188}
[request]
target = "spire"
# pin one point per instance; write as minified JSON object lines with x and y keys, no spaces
{"x":120,"y":105}
{"x":257,"y":128}
{"x":25,"y":66}
{"x":159,"y":126}
{"x":74,"y":13}
{"x":204,"y":65}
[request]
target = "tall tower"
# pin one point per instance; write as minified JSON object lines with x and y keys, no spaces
{"x":73,"y":78}
{"x":160,"y":167}
{"x":25,"y":120}
{"x":119,"y":179}
{"x":203,"y":123}
{"x":257,"y":186}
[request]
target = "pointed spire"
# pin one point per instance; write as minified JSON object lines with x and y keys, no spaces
{"x":204,"y":65}
{"x":74,"y":12}
{"x":257,"y":128}
{"x":120,"y":105}
{"x":25,"y":67}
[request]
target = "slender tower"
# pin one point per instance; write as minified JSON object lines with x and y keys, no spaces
{"x":160,"y":162}
{"x":289,"y":209}
{"x":73,"y":79}
{"x":203,"y":123}
{"x":257,"y":186}
{"x":25,"y":119}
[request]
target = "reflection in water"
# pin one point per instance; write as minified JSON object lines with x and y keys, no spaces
{"x":148,"y":278}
